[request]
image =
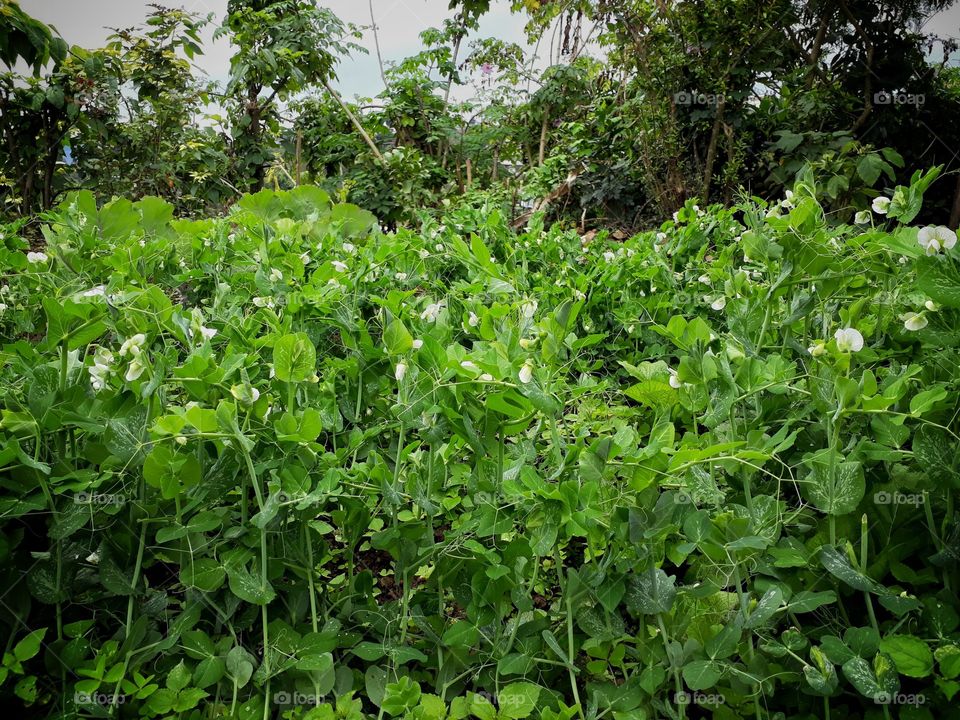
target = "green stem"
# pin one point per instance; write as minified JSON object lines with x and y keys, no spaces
{"x":677,"y":682}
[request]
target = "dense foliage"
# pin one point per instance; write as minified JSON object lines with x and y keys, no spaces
{"x":624,"y":385}
{"x":282,"y":464}
{"x":624,"y":111}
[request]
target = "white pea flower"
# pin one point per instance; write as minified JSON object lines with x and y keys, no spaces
{"x":3,"y":307}
{"x":400,"y":371}
{"x":676,"y":216}
{"x":817,"y":349}
{"x":246,"y":395}
{"x":438,"y":247}
{"x":914,"y":321}
{"x":417,"y":344}
{"x":35,"y":258}
{"x":934,"y":239}
{"x":305,"y":258}
{"x":528,"y":309}
{"x":469,"y":365}
{"x":263,"y":302}
{"x":276,"y":275}
{"x":101,"y":368}
{"x":338,"y":265}
{"x":579,"y":295}
{"x":526,"y":373}
{"x":931,"y":306}
{"x":487,"y":377}
{"x":432,"y":312}
{"x":96,"y":291}
{"x":788,"y":198}
{"x":133,"y":345}
{"x":880,"y":205}
{"x":401,"y":276}
{"x":527,"y":343}
{"x":862,"y":217}
{"x":207,"y":333}
{"x":705,"y":279}
{"x":135,"y":370}
{"x":424,"y":254}
{"x":675,"y":380}
{"x":609,"y":256}
{"x":849,"y":340}
{"x":720,"y":303}
{"x":473,"y":320}
{"x":349,"y":247}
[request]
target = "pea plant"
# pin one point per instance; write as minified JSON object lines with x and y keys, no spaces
{"x":282,"y":464}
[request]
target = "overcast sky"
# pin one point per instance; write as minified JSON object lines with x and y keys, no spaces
{"x":83,"y":22}
{"x":400,"y":22}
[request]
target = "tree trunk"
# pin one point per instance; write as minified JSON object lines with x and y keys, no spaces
{"x":712,"y":149}
{"x":356,"y":123}
{"x":543,"y":137}
{"x":376,"y":43}
{"x":254,"y":132}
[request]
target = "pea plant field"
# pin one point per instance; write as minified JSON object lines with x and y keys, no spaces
{"x":284,"y":464}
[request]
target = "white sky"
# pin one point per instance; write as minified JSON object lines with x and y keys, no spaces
{"x":400,"y":22}
{"x":84,"y":23}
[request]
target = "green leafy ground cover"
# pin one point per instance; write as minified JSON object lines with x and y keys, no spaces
{"x":281,"y":464}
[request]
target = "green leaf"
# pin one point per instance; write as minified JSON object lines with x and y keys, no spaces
{"x":839,"y":566}
{"x":835,"y":490}
{"x":948,"y":657}
{"x":397,"y":339}
{"x":876,"y":683}
{"x":294,"y":358}
{"x":923,"y":401}
{"x":937,"y":454}
{"x":249,"y":586}
{"x":240,"y":665}
{"x":821,"y":676}
{"x":766,"y":608}
{"x":938,"y":277}
{"x":517,"y":700}
{"x":29,"y":646}
{"x":461,"y":634}
{"x":912,"y":656}
{"x":178,"y":678}
{"x":702,"y":674}
{"x":401,"y":696}
{"x":650,"y":592}
{"x":203,"y":574}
